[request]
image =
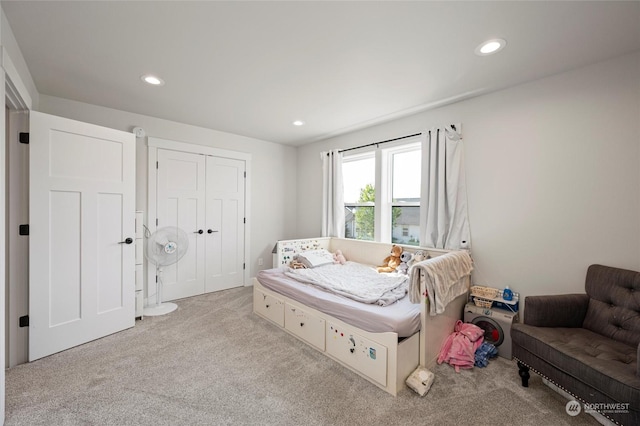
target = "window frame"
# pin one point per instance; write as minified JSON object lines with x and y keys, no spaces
{"x":359,"y":157}
{"x":404,"y":148}
{"x":383,"y":185}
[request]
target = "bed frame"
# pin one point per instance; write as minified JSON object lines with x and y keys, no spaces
{"x":384,"y":359}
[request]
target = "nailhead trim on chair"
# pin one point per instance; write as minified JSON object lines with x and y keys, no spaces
{"x":566,"y":390}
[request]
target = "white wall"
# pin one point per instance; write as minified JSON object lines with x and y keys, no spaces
{"x":553,"y":175}
{"x":273,"y":203}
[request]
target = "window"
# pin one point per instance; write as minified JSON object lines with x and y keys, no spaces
{"x":382,"y":194}
{"x":405,"y":164}
{"x":359,"y":176}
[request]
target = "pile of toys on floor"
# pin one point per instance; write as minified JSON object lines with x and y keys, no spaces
{"x":464,"y":348}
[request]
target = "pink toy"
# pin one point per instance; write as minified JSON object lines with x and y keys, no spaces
{"x":338,"y":257}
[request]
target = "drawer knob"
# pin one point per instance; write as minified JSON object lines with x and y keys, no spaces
{"x":267,"y":306}
{"x":301,"y":324}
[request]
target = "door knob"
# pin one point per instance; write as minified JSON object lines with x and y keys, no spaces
{"x":210,"y":231}
{"x":127,"y":241}
{"x":199,"y":231}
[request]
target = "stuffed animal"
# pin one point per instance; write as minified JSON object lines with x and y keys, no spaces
{"x":296,"y":264}
{"x":338,"y":257}
{"x":392,"y":261}
{"x":405,"y":258}
{"x":418,"y":256}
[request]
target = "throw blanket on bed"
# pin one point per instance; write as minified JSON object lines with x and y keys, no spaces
{"x":443,"y":279}
{"x":355,"y":281}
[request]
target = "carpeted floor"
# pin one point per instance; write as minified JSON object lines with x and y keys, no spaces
{"x":213,"y":362}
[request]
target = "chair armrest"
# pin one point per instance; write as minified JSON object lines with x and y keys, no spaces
{"x":561,"y":310}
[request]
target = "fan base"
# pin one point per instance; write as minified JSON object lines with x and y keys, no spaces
{"x":161,"y":309}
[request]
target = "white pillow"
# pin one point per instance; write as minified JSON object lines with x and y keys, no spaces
{"x":315,"y":258}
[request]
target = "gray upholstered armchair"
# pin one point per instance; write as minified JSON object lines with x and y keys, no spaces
{"x":587,"y":344}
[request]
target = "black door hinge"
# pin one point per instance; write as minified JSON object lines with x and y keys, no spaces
{"x":23,"y":230}
{"x":24,"y":321}
{"x":23,"y":138}
{"x":244,"y":266}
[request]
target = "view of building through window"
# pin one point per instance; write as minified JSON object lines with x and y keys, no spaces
{"x":402,"y":167}
{"x":359,"y":175}
{"x":405,"y":196}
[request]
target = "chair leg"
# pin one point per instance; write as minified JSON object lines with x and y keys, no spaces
{"x":524,"y":374}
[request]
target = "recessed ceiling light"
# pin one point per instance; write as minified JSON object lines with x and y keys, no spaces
{"x":298,"y":123}
{"x":491,"y":46}
{"x":152,"y":79}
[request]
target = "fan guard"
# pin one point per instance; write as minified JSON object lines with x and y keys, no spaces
{"x":164,"y":247}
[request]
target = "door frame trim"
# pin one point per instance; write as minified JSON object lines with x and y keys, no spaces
{"x":153,"y":144}
{"x":17,"y":97}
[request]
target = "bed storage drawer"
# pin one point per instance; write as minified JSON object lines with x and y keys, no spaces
{"x":306,"y":326}
{"x":269,"y":307}
{"x":363,"y":355}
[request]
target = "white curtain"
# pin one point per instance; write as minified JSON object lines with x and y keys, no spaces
{"x":444,"y":222}
{"x":332,"y":195}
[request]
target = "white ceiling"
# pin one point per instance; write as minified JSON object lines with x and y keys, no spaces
{"x":251,"y":68}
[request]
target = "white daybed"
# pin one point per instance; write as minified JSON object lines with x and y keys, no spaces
{"x":384,"y":358}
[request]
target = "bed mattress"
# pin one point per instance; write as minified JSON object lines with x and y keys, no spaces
{"x":402,"y":317}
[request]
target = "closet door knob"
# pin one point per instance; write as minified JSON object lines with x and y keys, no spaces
{"x":210,"y":231}
{"x":127,"y":241}
{"x":199,"y":231}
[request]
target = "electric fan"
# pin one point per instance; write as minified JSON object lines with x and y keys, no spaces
{"x":164,"y":247}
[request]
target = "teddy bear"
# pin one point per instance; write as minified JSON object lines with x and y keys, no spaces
{"x":405,"y":258}
{"x":338,"y":257}
{"x":392,"y":261}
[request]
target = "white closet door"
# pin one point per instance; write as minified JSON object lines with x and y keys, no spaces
{"x":82,"y":206}
{"x":225,"y":223}
{"x":181,"y":183}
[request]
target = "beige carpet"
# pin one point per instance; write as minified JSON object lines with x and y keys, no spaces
{"x":213,"y":362}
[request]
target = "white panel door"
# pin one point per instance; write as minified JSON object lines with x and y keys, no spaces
{"x":181,"y":183}
{"x":225,"y":223}
{"x":82,"y":209}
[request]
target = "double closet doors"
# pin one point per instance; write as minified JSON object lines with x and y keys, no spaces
{"x":204,"y":195}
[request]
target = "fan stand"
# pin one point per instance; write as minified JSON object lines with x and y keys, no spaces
{"x":159,"y":308}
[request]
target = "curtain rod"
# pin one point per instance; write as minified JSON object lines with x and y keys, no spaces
{"x":378,"y":143}
{"x":388,"y":140}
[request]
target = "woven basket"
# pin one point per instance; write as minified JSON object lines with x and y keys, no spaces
{"x":485,"y":292}
{"x":482,"y":302}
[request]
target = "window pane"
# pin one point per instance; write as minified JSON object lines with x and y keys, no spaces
{"x":405,"y":225}
{"x":406,"y":176}
{"x":359,"y":178}
{"x":359,"y":222}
